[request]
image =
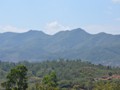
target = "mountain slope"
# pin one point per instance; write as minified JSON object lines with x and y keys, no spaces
{"x":36,"y":46}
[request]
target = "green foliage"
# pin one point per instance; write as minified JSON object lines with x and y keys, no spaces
{"x":50,"y":80}
{"x":107,"y":85}
{"x":68,"y":74}
{"x":16,"y":79}
{"x":40,"y":86}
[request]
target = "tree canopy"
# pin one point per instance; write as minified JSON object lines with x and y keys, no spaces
{"x":16,"y":78}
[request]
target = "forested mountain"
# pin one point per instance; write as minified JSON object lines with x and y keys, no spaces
{"x":34,"y":45}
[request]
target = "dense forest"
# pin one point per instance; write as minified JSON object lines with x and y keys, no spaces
{"x":69,"y":75}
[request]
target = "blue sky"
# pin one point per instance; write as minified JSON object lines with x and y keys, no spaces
{"x":52,"y":16}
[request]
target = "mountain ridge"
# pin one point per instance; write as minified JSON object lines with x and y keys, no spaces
{"x":101,"y":48}
{"x":80,"y":29}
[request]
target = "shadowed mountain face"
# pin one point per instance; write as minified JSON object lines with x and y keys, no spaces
{"x":36,"y":46}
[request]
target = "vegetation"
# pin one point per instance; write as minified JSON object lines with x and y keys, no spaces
{"x":107,"y":85}
{"x":16,"y":79}
{"x":58,"y":75}
{"x":49,"y":82}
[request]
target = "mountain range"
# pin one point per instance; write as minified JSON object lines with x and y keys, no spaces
{"x":101,"y":48}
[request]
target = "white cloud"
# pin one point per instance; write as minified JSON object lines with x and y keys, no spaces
{"x":10,"y":28}
{"x":112,"y":29}
{"x":116,"y":1}
{"x":54,"y":27}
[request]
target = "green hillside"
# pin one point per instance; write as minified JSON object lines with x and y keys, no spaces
{"x":69,"y":72}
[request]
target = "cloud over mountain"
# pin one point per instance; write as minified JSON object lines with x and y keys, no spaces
{"x":54,"y":27}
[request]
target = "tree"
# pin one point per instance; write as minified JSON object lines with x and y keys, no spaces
{"x":50,"y":80}
{"x":16,"y":79}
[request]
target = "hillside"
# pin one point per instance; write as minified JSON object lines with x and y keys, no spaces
{"x":70,"y":73}
{"x":101,"y":48}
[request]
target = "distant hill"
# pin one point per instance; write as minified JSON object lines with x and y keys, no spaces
{"x":101,"y":48}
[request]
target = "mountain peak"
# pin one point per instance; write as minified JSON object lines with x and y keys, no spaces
{"x":73,"y":31}
{"x":79,"y":31}
{"x":37,"y":32}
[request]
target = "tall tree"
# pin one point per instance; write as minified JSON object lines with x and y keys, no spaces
{"x":16,"y":79}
